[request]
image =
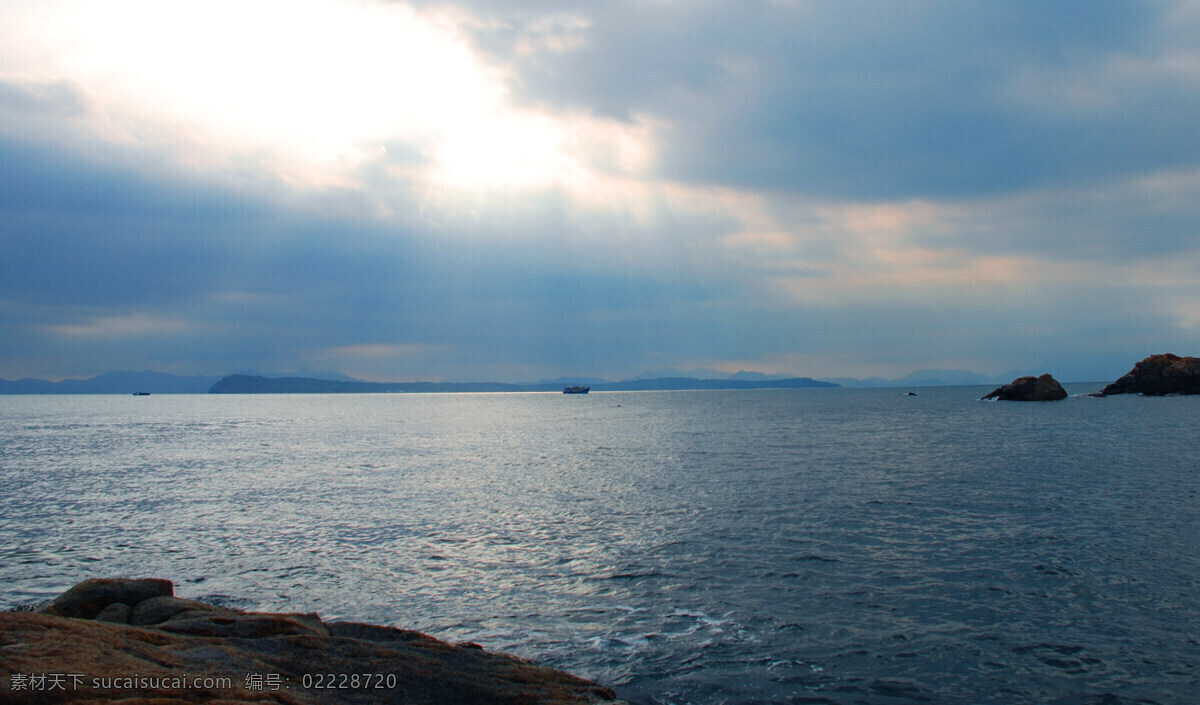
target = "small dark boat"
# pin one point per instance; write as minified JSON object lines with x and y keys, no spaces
{"x":141,"y":394}
{"x":576,"y":390}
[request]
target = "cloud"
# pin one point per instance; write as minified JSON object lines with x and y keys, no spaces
{"x":56,"y":99}
{"x":132,"y":326}
{"x":521,"y":190}
{"x":102,"y":252}
{"x":867,"y":101}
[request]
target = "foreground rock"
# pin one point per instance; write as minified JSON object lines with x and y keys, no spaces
{"x":133,"y":642}
{"x":1159,"y":375}
{"x":1044,"y":388}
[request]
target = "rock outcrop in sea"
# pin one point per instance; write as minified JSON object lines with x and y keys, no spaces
{"x":131,"y":641}
{"x":1159,"y":375}
{"x":1044,"y":388}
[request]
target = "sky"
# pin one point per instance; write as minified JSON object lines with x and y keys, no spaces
{"x":514,"y":191}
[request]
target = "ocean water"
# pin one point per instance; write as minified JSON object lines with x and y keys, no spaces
{"x":802,"y":546}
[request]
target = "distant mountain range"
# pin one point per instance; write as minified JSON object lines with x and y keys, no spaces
{"x":145,"y":381}
{"x":708,"y":373}
{"x":251,"y":384}
{"x":934,"y":378}
{"x":336,"y":381}
{"x":113,"y":383}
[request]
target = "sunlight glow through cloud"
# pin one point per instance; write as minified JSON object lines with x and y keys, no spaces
{"x":317,"y":85}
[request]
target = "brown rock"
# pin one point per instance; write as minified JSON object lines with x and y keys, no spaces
{"x":89,"y":598}
{"x":159,"y":609}
{"x":204,"y":654}
{"x":117,"y":612}
{"x":1044,"y":388}
{"x":238,"y":624}
{"x":1159,"y":375}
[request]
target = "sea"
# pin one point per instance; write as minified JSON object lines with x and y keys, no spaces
{"x":835,"y":546}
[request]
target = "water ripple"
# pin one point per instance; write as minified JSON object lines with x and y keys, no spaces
{"x":809,"y":546}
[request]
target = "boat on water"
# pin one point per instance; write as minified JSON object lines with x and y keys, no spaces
{"x":576,"y":390}
{"x":141,"y":394}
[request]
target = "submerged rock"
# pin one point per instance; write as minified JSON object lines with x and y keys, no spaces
{"x":1159,"y":375}
{"x":81,"y":648}
{"x":1044,"y":388}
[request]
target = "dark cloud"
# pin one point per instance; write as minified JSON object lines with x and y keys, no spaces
{"x":78,"y":230}
{"x":104,"y":261}
{"x":857,"y":99}
{"x":39,"y":176}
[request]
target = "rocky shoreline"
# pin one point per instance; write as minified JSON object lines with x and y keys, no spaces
{"x":131,"y":641}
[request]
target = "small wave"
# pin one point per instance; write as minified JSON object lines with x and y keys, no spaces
{"x":223,"y":600}
{"x":633,"y":575}
{"x":899,"y":689}
{"x":818,"y":558}
{"x":30,"y":606}
{"x":629,"y":644}
{"x":603,"y":609}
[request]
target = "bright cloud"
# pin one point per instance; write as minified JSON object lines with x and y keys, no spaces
{"x":313,"y":78}
{"x":311,"y":90}
{"x":132,"y":326}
